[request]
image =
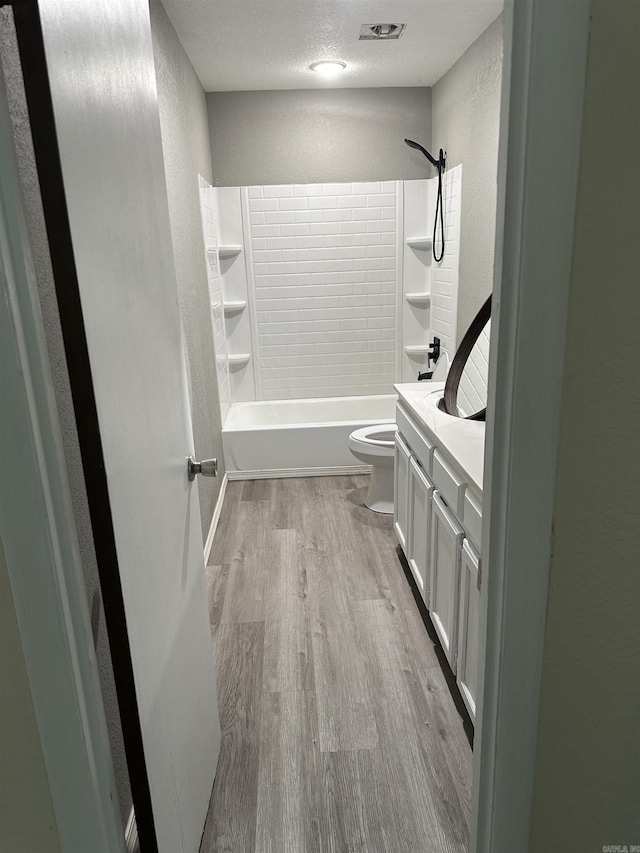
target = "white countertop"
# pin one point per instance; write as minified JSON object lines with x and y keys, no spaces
{"x":461,"y":439}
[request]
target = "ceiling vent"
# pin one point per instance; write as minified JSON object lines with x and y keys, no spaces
{"x":376,"y":32}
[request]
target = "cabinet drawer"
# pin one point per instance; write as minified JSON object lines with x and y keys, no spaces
{"x":422,"y":448}
{"x":448,"y":483}
{"x":472,"y":519}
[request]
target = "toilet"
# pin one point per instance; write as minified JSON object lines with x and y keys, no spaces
{"x":374,"y":445}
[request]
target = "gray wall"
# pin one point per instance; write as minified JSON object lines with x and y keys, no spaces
{"x":587,"y":781}
{"x":55,"y":346}
{"x":318,"y":135}
{"x":26,"y":811}
{"x":185,"y":144}
{"x":466,"y":122}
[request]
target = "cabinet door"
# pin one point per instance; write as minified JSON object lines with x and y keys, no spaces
{"x":420,"y":491}
{"x":401,"y":492}
{"x":468,"y":633}
{"x":446,"y":544}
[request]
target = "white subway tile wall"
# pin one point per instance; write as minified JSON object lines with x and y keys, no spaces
{"x":210,"y":235}
{"x":472,"y":391}
{"x":324,"y":259}
{"x":444,"y":275}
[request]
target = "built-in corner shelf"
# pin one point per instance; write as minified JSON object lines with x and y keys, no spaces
{"x":229,"y":251}
{"x":419,"y":242}
{"x":238,"y":359}
{"x":418,"y":351}
{"x":234,"y":307}
{"x":418,"y":298}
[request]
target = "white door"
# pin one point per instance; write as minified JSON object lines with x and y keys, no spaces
{"x":401,"y":492}
{"x":102,"y":77}
{"x":446,"y":542}
{"x":420,"y":491}
{"x":468,"y":631}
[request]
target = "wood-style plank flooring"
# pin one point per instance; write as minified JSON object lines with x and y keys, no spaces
{"x":339,"y":730}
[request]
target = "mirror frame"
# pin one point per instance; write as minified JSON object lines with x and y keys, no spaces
{"x":450,"y":399}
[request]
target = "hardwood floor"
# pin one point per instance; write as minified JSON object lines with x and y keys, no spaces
{"x":339,"y":730}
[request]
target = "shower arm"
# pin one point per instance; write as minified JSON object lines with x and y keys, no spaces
{"x":440,"y":163}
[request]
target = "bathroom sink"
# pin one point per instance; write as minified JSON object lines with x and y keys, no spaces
{"x":436,"y":400}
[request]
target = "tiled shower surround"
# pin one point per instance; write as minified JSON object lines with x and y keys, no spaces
{"x":328,"y":290}
{"x":444,"y":276}
{"x":324,"y":269}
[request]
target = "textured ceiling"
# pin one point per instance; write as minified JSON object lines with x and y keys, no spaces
{"x":239,"y":45}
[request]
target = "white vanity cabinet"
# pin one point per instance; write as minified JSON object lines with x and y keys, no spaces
{"x":438,"y":520}
{"x":468,"y":632}
{"x":446,"y":545}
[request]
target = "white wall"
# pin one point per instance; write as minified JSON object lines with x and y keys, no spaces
{"x":318,"y":135}
{"x":587,"y":782}
{"x":324,"y":269}
{"x":465,"y":122}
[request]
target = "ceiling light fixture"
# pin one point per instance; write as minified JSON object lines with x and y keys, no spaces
{"x":328,"y":67}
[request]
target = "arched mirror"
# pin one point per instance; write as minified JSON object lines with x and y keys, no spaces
{"x":465,"y":392}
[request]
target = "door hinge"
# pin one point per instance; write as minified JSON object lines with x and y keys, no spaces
{"x":479,"y":578}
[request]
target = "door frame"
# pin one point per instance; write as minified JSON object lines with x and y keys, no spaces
{"x":545,"y":57}
{"x":42,"y":552}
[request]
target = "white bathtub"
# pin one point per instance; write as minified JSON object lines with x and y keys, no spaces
{"x":288,"y":438}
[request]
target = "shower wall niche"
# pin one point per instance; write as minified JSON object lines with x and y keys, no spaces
{"x":327,"y":290}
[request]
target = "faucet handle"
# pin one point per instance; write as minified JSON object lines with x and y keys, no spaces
{"x":434,"y":351}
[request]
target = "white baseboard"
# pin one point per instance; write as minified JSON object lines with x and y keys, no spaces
{"x":216,"y":518}
{"x":278,"y":473}
{"x":131,"y":834}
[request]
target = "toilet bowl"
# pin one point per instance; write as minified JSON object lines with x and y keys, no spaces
{"x":374,"y":445}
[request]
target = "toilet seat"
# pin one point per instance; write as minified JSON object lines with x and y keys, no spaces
{"x":376,"y":439}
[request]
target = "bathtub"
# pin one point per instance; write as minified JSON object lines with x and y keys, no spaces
{"x":293,"y":438}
